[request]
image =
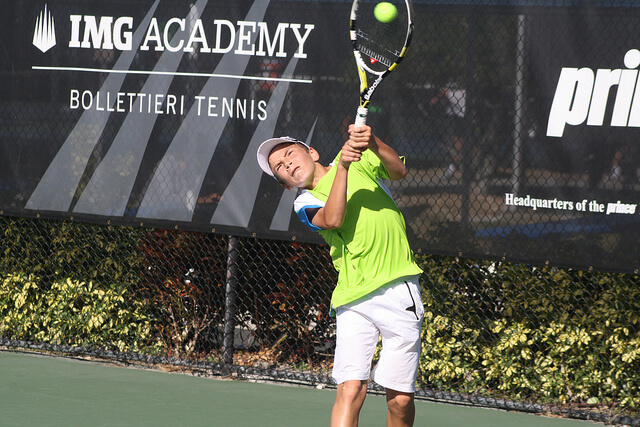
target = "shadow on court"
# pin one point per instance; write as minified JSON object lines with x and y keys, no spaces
{"x":52,"y":391}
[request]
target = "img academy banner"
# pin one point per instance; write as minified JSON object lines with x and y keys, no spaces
{"x":146,"y":109}
{"x":519,"y":121}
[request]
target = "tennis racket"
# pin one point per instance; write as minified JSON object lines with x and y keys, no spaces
{"x":378,"y":46}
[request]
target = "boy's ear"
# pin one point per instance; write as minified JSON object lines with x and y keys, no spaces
{"x":314,"y":154}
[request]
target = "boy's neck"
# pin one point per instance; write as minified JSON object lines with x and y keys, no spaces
{"x":318,"y":174}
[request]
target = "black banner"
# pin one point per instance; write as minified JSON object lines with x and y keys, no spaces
{"x":518,"y":121}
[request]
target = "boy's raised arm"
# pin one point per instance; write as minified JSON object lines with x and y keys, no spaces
{"x":331,"y":215}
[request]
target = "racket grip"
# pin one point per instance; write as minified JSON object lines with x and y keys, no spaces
{"x":361,"y":116}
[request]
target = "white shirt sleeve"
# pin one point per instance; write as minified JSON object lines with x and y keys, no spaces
{"x":306,"y":201}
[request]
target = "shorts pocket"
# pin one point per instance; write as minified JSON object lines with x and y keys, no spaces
{"x":409,"y":298}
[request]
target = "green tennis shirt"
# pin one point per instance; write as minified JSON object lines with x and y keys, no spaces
{"x":370,"y":249}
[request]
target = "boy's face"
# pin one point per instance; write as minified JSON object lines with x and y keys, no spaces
{"x":293,"y":165}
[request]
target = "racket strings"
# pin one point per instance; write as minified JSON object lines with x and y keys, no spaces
{"x":379,"y":51}
{"x":383,"y":42}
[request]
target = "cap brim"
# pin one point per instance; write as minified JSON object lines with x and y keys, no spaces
{"x":267,"y":146}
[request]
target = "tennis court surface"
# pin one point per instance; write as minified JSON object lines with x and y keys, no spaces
{"x":55,"y":391}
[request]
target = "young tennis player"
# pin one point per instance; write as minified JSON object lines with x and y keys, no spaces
{"x":377,"y":292}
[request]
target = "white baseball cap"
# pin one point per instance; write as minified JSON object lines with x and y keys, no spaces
{"x":265,"y":149}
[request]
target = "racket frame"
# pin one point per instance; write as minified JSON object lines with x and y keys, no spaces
{"x":366,"y":89}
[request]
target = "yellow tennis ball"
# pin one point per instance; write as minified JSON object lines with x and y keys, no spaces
{"x":385,"y":12}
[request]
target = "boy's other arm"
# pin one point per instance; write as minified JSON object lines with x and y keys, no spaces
{"x":387,"y":155}
{"x":389,"y":158}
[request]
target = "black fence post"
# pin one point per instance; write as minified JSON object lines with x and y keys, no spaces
{"x":230,"y":301}
{"x":468,"y":127}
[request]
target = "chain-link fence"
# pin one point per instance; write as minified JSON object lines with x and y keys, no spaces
{"x":513,"y":336}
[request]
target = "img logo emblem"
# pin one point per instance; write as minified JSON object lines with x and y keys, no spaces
{"x":44,"y":35}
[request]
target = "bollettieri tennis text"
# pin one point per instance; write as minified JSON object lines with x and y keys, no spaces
{"x":170,"y":104}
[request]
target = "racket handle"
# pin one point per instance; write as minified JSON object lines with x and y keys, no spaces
{"x":361,"y":116}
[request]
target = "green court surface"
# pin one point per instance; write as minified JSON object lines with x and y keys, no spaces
{"x":54,"y":391}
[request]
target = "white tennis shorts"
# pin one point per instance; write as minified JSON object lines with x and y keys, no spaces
{"x":393,"y":312}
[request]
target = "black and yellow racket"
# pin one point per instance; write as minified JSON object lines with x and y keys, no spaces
{"x":381,"y":33}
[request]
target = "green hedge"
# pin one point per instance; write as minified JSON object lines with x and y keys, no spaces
{"x":57,"y":250}
{"x":75,"y":313}
{"x":531,"y":333}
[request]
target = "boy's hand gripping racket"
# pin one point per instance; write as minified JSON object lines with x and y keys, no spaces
{"x":380,"y":41}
